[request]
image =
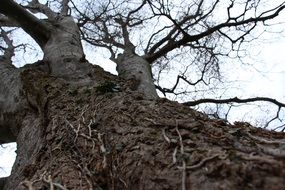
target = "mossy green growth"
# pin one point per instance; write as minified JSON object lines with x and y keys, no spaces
{"x":108,"y":87}
{"x":73,"y":91}
{"x":87,"y":90}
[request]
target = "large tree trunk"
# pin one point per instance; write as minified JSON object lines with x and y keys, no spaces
{"x":78,"y":127}
{"x":77,"y":136}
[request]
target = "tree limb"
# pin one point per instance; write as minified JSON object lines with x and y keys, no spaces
{"x":9,"y":51}
{"x":36,"y":7}
{"x":233,"y":100}
{"x":6,"y":22}
{"x":64,"y":7}
{"x":38,"y":30}
{"x":229,"y":23}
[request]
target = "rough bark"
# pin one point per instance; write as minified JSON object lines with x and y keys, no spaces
{"x":94,"y":137}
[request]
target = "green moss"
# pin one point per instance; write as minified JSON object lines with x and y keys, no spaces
{"x":73,"y":92}
{"x":87,"y":91}
{"x":107,"y":87}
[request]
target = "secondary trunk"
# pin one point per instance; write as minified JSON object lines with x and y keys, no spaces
{"x":138,"y":71}
{"x":63,"y":51}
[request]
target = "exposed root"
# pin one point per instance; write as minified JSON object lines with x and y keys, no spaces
{"x":76,"y":131}
{"x":265,"y":141}
{"x":183,"y":168}
{"x":174,"y":159}
{"x":263,"y":159}
{"x":28,"y":184}
{"x":202,"y":162}
{"x":165,"y":136}
{"x":103,"y":150}
{"x":52,"y":184}
{"x":277,"y":153}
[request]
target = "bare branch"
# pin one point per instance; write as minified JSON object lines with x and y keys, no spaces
{"x":274,"y":118}
{"x":233,"y":100}
{"x":167,"y":90}
{"x":267,"y":15}
{"x":128,"y":45}
{"x":36,"y":7}
{"x":9,"y":51}
{"x":6,"y":22}
{"x":134,"y":11}
{"x":32,"y":25}
{"x":65,"y":9}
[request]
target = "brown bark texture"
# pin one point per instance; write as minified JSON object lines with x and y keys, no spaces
{"x":106,"y":136}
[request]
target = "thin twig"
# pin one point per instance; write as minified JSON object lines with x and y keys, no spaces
{"x":202,"y":162}
{"x":53,"y":184}
{"x":165,"y":136}
{"x":174,"y":159}
{"x":183,"y":180}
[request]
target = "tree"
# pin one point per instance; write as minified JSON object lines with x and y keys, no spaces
{"x":79,"y":127}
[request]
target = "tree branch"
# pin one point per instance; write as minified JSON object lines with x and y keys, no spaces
{"x":64,"y":7}
{"x":128,"y":45}
{"x":38,"y":30}
{"x":36,"y":7}
{"x":233,"y":100}
{"x":9,"y":51}
{"x":6,"y":22}
{"x":230,"y":23}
